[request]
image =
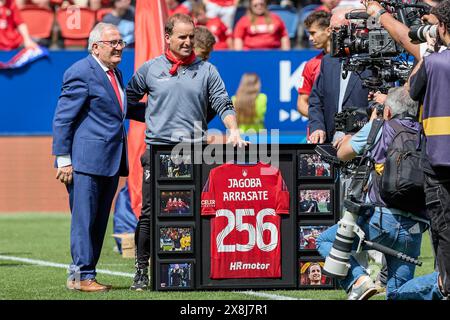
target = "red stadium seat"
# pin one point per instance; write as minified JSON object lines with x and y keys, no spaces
{"x":75,"y":29}
{"x":101,"y":13}
{"x":39,"y":21}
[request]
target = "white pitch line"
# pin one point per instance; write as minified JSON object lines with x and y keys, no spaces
{"x":131,"y":275}
{"x":267,"y":295}
{"x":63,"y":266}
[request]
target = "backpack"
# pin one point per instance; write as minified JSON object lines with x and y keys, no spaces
{"x":401,"y":185}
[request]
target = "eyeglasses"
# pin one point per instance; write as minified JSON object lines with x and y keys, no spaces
{"x":115,"y":43}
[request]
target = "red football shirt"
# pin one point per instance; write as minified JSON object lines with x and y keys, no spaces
{"x":260,"y":35}
{"x":309,"y":74}
{"x":179,"y":9}
{"x":245,"y":201}
{"x":223,"y":3}
{"x":10,"y":19}
{"x":220,"y":32}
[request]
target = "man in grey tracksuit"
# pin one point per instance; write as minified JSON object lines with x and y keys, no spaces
{"x":180,"y":87}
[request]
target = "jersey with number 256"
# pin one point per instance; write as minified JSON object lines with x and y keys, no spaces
{"x":245,"y":202}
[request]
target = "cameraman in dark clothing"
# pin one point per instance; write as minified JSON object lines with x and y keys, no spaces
{"x":429,"y":81}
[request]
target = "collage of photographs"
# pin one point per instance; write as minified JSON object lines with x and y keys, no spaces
{"x":175,"y":225}
{"x":176,"y":214}
{"x":315,"y":199}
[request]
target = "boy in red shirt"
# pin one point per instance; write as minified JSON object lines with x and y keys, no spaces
{"x":318,"y":26}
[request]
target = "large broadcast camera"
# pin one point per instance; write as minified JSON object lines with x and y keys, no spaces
{"x":365,"y":45}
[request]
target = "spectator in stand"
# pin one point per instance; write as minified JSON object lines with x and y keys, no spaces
{"x":328,"y":5}
{"x":223,"y":9}
{"x":318,"y":26}
{"x":91,"y":4}
{"x":203,"y":42}
{"x":177,"y":6}
{"x":13,"y":31}
{"x":122,"y":16}
{"x":215,"y":25}
{"x":38,"y":3}
{"x":260,"y":29}
{"x":250,"y":103}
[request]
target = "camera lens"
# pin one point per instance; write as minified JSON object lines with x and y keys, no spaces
{"x":417,"y":33}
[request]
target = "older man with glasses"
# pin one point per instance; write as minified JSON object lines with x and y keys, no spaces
{"x":89,"y":142}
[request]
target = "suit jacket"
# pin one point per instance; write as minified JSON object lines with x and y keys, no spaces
{"x":89,"y":123}
{"x":324,"y":97}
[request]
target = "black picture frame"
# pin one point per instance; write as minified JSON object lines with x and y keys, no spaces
{"x":175,"y":238}
{"x":320,"y":202}
{"x":185,"y":208}
{"x":307,"y":233}
{"x":311,"y":264}
{"x":304,"y":171}
{"x":175,"y":172}
{"x":168,"y":278}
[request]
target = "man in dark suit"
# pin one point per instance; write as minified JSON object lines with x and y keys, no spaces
{"x":331,"y":93}
{"x":89,"y":142}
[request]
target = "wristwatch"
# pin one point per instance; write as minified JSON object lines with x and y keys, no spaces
{"x":379,"y":13}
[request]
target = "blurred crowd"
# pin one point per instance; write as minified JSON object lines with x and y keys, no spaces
{"x":235,"y":24}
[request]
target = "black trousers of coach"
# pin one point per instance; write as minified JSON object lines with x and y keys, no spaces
{"x":142,"y":234}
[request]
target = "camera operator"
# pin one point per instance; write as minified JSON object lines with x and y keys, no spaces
{"x":388,"y":226}
{"x":331,"y":92}
{"x":399,"y":31}
{"x":430,"y":81}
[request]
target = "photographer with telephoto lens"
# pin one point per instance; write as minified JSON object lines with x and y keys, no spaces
{"x":383,"y":224}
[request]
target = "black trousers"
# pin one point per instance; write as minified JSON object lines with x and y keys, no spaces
{"x":437,"y":193}
{"x":142,"y":234}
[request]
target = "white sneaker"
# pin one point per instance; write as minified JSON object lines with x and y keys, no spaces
{"x":364,"y":291}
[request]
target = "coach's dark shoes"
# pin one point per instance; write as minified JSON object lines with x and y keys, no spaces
{"x":140,"y":282}
{"x":89,"y":285}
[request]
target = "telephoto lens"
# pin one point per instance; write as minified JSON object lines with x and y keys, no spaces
{"x":417,"y":32}
{"x":337,"y":263}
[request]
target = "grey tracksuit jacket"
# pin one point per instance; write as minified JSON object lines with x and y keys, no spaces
{"x":177,"y":104}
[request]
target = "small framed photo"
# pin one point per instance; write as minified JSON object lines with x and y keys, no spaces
{"x":311,"y":274}
{"x":176,"y":202}
{"x":308,"y":234}
{"x":176,"y":275}
{"x":315,"y":201}
{"x":311,"y":165}
{"x":174,"y":167}
{"x":175,"y":239}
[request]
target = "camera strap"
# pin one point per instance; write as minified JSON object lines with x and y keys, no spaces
{"x":376,"y":126}
{"x":366,"y":158}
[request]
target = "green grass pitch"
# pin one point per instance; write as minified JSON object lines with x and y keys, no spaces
{"x":46,"y":237}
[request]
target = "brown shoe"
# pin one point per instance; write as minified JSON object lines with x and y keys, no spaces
{"x":91,"y":285}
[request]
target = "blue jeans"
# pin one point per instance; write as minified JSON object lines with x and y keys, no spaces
{"x":394,"y":231}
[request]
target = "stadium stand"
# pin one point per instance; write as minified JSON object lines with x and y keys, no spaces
{"x":76,"y":36}
{"x":240,"y":12}
{"x":290,"y":18}
{"x":39,"y":21}
{"x":100,"y":13}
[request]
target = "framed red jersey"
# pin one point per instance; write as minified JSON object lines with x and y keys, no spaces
{"x":245,"y":202}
